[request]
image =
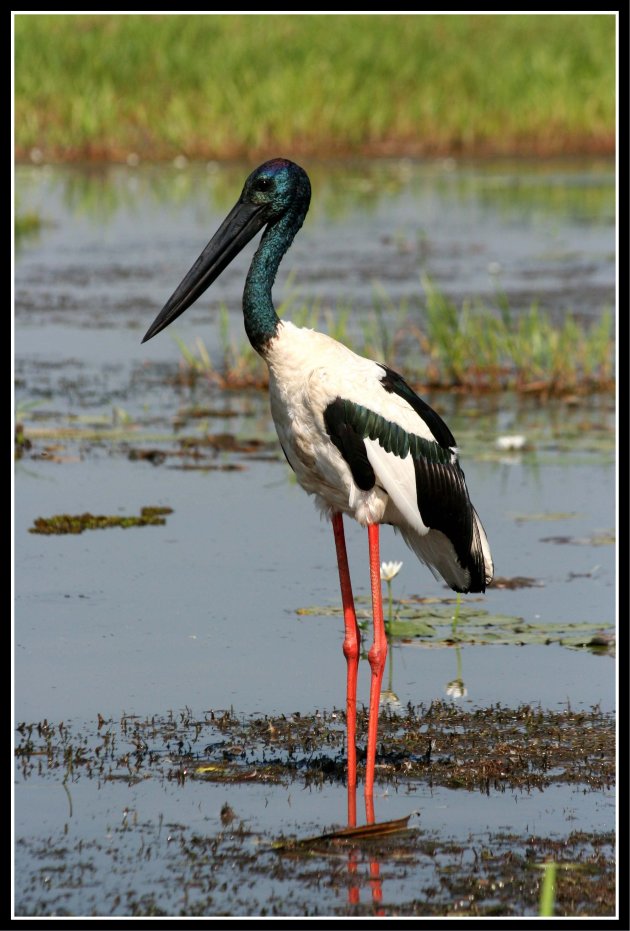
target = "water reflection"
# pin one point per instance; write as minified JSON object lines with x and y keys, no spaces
{"x":573,"y":189}
{"x":456,"y":687}
{"x":355,"y":855}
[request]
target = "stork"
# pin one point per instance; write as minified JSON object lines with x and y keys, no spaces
{"x":358,"y":438}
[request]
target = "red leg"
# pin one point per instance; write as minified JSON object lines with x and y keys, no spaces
{"x":351,"y":645}
{"x":376,"y":656}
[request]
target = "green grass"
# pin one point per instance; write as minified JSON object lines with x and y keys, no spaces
{"x":474,"y":347}
{"x":491,"y":348}
{"x":221,"y":86}
{"x":27,"y":223}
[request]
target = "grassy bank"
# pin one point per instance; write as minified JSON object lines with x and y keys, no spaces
{"x":474,"y":347}
{"x":220,"y":86}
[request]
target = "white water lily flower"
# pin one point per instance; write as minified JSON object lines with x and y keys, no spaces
{"x":456,"y":689}
{"x":511,"y":442}
{"x":389,"y":570}
{"x":389,"y":699}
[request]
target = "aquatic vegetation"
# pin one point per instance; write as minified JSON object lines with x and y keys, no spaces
{"x":438,"y":748}
{"x":26,"y":223}
{"x":389,"y":571}
{"x":449,"y":621}
{"x":21,"y":442}
{"x":523,"y":750}
{"x":438,"y":743}
{"x":77,"y":523}
{"x":473,"y":347}
{"x":491,"y":348}
{"x":548,"y":889}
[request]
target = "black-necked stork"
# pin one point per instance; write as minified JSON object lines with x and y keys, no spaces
{"x":356,"y":435}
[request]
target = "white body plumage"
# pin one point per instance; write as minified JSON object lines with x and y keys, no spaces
{"x":310,"y":371}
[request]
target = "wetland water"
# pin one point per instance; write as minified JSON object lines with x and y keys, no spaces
{"x":176,"y":686}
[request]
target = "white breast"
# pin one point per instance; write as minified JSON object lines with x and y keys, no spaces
{"x":308,"y":372}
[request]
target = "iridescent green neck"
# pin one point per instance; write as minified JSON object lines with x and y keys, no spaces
{"x":261,"y":319}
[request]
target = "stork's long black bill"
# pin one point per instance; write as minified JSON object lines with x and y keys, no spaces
{"x":240,"y":225}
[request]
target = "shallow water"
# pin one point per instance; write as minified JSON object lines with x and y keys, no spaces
{"x":201,"y":613}
{"x":152,"y":830}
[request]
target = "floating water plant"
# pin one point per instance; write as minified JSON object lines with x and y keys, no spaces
{"x":430,"y":622}
{"x":77,"y":523}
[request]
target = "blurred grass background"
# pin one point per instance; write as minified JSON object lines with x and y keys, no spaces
{"x":115,"y":87}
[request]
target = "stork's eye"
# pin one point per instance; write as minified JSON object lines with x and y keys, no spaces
{"x":263,"y":184}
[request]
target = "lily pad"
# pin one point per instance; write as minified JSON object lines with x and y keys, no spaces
{"x":401,"y":630}
{"x":434,"y":625}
